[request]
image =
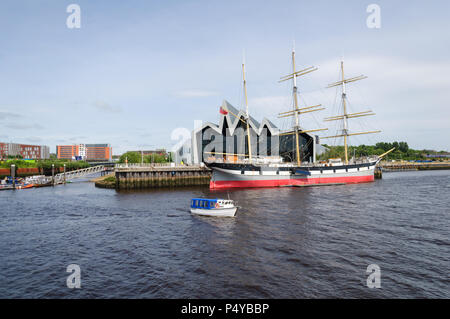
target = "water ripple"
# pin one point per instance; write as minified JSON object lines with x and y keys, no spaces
{"x":284,"y":243}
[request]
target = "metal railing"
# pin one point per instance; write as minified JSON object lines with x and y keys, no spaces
{"x":61,"y":177}
{"x":156,"y":165}
{"x":137,"y":165}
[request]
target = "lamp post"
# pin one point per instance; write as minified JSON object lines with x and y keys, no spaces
{"x":53,"y":174}
{"x":142,"y":152}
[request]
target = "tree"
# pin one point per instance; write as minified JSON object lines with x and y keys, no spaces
{"x":156,"y":158}
{"x":131,"y":157}
{"x":403,"y":147}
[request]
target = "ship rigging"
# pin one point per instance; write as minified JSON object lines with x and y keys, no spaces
{"x":345,"y":116}
{"x":252,"y":172}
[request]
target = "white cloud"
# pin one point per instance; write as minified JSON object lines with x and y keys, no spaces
{"x":194,"y":93}
{"x":410,"y":97}
{"x":23,"y":126}
{"x":34,"y":139}
{"x":269,"y":102}
{"x":103,"y":106}
{"x":389,"y":73}
{"x":6,"y":115}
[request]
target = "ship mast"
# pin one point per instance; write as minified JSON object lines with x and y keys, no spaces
{"x":294,"y":92}
{"x":344,"y":117}
{"x":246,"y":120}
{"x":296,"y":110}
{"x":248,"y":117}
{"x":345,"y":113}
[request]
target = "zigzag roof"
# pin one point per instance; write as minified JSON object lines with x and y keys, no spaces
{"x":233,"y":121}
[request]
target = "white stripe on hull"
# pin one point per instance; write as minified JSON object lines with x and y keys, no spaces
{"x":219,"y":212}
{"x":220,"y":174}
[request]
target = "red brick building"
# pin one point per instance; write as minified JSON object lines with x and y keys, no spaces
{"x":26,"y":151}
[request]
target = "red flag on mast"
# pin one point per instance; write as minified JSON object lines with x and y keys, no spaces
{"x":223,"y":111}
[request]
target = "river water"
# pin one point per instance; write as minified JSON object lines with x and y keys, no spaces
{"x":314,"y":242}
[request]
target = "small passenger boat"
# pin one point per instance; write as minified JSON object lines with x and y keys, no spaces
{"x":213,"y":207}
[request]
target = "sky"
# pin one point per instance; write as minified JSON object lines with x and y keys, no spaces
{"x":135,"y":71}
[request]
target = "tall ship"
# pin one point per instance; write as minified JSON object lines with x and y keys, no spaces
{"x":256,"y":171}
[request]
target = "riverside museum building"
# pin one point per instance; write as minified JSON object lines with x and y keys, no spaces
{"x":228,"y":140}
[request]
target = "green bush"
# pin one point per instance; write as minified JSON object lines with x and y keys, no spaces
{"x":19,"y":164}
{"x":156,"y":158}
{"x":136,"y":157}
{"x":110,"y":179}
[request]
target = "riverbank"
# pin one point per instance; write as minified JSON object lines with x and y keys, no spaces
{"x":149,"y":176}
{"x":107,"y":181}
{"x":413,"y":166}
{"x":25,"y":168}
{"x":161,"y":176}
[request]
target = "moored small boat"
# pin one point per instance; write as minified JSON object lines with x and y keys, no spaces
{"x":6,"y":187}
{"x":213,"y":207}
{"x":24,"y":186}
